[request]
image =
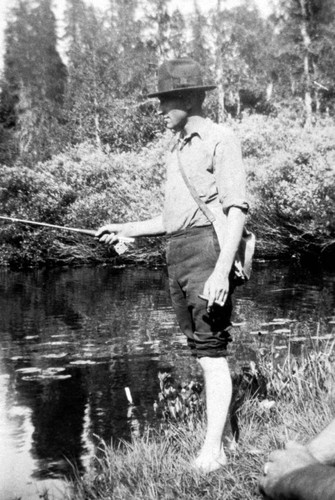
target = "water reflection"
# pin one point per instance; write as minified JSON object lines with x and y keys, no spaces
{"x":73,"y":340}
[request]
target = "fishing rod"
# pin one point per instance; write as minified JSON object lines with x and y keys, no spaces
{"x":119,"y":247}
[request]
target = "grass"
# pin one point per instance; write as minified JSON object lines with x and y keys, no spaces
{"x":297,"y":405}
{"x":157,"y":467}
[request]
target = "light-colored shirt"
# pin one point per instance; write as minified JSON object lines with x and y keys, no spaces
{"x":212,"y":160}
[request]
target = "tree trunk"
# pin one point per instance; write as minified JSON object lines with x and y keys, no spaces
{"x":238,"y":100}
{"x":306,"y":43}
{"x":219,"y":80}
{"x":316,"y":88}
{"x":269,"y":90}
{"x":25,"y":122}
{"x":219,"y":72}
{"x":95,"y":106}
{"x":96,"y":123}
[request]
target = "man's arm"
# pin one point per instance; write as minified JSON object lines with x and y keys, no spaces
{"x":314,"y":482}
{"x":230,"y":180}
{"x":111,"y":232}
{"x":323,"y":445}
{"x":217,"y":286}
{"x":296,"y":472}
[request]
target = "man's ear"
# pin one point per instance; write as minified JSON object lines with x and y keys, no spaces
{"x":189,"y":102}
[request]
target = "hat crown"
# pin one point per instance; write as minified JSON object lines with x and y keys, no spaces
{"x":180,"y":74}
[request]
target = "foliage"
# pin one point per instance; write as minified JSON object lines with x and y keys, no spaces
{"x":179,"y":404}
{"x":305,"y":29}
{"x":177,"y":37}
{"x":107,"y":79}
{"x":290,"y":182}
{"x":99,"y":96}
{"x":34,"y":82}
{"x":242,"y":41}
{"x":84,"y":187}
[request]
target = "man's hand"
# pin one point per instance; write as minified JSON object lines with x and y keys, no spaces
{"x":281,"y":463}
{"x":216,"y":289}
{"x":111,"y":233}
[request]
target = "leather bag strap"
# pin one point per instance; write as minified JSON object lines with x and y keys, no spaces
{"x":201,"y":204}
{"x":245,"y":251}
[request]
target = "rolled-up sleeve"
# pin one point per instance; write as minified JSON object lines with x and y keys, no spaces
{"x":230,"y":173}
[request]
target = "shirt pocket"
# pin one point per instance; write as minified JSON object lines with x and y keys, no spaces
{"x":204,"y":183}
{"x":202,"y":177}
{"x":201,"y":170}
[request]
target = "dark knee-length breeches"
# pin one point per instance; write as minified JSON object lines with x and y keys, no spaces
{"x":191,"y":258}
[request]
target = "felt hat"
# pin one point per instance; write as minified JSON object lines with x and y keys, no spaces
{"x":179,"y":75}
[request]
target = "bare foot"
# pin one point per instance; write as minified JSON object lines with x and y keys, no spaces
{"x":207,"y":461}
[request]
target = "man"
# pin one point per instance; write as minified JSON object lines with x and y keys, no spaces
{"x":302,"y":472}
{"x":199,"y":260}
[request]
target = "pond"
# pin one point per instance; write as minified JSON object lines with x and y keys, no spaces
{"x":72,"y":340}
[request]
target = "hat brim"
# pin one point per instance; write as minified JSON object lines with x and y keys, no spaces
{"x":180,"y":90}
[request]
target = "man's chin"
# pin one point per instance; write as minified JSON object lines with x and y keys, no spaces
{"x":177,"y":128}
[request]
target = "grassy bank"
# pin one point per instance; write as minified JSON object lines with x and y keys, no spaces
{"x":296,"y":404}
{"x":291,"y":187}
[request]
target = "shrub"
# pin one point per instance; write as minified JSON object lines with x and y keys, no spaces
{"x":291,"y":185}
{"x":82,"y":187}
{"x":291,"y":173}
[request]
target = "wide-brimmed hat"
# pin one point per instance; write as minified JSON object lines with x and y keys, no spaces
{"x":179,"y":75}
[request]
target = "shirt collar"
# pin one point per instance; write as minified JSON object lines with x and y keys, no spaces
{"x":197,"y":125}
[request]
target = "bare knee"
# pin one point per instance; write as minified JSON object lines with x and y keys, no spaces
{"x":213,"y":364}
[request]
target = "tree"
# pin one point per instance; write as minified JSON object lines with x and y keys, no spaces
{"x":87,"y":55}
{"x":109,"y":67}
{"x":240,"y":38}
{"x":199,"y":47}
{"x":306,"y":42}
{"x":177,"y":39}
{"x":158,"y":19}
{"x":34,"y":79}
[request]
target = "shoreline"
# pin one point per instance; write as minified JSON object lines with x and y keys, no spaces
{"x":156,"y":464}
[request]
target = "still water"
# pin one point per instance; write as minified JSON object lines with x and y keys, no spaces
{"x":73,"y":340}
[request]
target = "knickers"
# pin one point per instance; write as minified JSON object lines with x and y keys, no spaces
{"x":191,"y":257}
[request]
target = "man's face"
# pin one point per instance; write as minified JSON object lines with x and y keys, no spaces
{"x":174,"y":110}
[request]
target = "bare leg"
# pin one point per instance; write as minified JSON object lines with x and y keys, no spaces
{"x":218,"y":395}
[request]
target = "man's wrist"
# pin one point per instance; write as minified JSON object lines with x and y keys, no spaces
{"x":126,"y":228}
{"x":222,"y":269}
{"x":321,"y":452}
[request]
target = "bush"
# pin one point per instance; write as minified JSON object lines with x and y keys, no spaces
{"x":291,"y":185}
{"x":291,"y":172}
{"x":82,"y":187}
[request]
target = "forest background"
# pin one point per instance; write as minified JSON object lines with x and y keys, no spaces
{"x":81,"y":144}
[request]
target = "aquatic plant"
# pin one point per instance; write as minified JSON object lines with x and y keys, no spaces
{"x":183,"y":403}
{"x":308,"y":377}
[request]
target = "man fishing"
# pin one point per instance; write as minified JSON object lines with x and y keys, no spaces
{"x":203,"y":219}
